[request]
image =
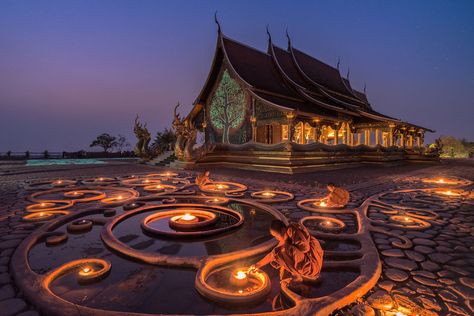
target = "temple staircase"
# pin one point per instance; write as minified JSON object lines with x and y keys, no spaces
{"x":165,"y":159}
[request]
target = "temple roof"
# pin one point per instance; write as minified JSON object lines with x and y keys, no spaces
{"x":293,"y":80}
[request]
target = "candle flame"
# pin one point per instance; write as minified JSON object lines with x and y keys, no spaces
{"x":42,"y":204}
{"x":119,"y":197}
{"x":86,"y":270}
{"x":240,"y":275}
{"x":188,"y":217}
{"x":146,"y":181}
{"x":328,"y":223}
{"x":41,"y":214}
{"x":322,"y":203}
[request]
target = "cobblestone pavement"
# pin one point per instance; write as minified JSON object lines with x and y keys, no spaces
{"x":436,"y":273}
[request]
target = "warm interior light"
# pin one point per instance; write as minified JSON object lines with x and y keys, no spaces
{"x":188,"y":217}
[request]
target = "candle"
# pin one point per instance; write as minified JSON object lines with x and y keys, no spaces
{"x":240,"y":275}
{"x":41,"y":214}
{"x":188,"y":217}
{"x":322,"y":203}
{"x":59,"y":182}
{"x":158,"y":186}
{"x":267,"y":194}
{"x":101,"y":179}
{"x":220,"y":186}
{"x":119,"y":197}
{"x":441,"y":180}
{"x":216,"y":200}
{"x":407,"y":219}
{"x":146,"y":181}
{"x":42,"y":205}
{"x":328,"y":223}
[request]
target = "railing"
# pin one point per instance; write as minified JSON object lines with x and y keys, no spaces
{"x":12,"y":155}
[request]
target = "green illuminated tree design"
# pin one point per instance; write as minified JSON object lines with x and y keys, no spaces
{"x":227,"y":109}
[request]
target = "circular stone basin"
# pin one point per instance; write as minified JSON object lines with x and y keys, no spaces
{"x":217,"y":201}
{"x":99,"y":181}
{"x":132,"y":206}
{"x":80,"y":226}
{"x":48,"y":206}
{"x":140,"y":182}
{"x":326,"y":224}
{"x":272,"y":196}
{"x":450,"y":193}
{"x":313,"y":205}
{"x":39,"y":216}
{"x":63,"y":183}
{"x":223,"y":187}
{"x":167,"y":174}
{"x":445,"y":181}
{"x":190,"y":220}
{"x":409,"y":222}
{"x":159,"y":188}
{"x":236,"y":286}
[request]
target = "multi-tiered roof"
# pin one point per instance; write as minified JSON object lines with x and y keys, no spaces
{"x":293,"y":81}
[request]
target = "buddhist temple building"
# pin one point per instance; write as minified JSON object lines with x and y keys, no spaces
{"x":283,"y":110}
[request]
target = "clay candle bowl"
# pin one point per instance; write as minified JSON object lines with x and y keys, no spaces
{"x":239,"y":279}
{"x":320,"y":204}
{"x":192,"y":220}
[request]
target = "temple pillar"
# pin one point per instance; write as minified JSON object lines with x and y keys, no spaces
{"x":359,"y":136}
{"x":253,"y":120}
{"x":377,"y":140}
{"x":402,"y":140}
{"x":290,"y":116}
{"x":390,"y":134}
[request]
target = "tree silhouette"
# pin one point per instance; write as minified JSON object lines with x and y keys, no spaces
{"x":227,"y":109}
{"x":106,"y":141}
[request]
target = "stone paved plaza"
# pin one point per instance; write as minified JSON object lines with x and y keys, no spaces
{"x":423,"y":237}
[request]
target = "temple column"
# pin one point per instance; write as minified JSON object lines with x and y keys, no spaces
{"x":336,"y":134}
{"x":390,"y":134}
{"x":377,"y":140}
{"x":253,"y":120}
{"x":359,"y":136}
{"x":402,"y":140}
{"x":290,"y":116}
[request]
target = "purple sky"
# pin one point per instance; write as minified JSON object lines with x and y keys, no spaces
{"x":70,"y":70}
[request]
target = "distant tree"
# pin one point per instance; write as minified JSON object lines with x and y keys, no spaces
{"x":122,"y":143}
{"x":46,"y":154}
{"x":106,"y":141}
{"x":164,"y":140}
{"x":27,"y":154}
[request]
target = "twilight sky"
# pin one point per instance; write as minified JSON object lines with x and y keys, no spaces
{"x":70,"y":70}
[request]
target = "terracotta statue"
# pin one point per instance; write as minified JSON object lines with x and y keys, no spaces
{"x":337,"y":197}
{"x":203,"y":178}
{"x":298,"y":253}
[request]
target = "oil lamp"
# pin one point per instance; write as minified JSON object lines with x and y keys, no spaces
{"x":86,"y":271}
{"x":188,"y":218}
{"x":268,"y":195}
{"x":239,"y":278}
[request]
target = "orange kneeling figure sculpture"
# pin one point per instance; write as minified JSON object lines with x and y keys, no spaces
{"x":337,"y":197}
{"x":203,"y":178}
{"x":298,"y":253}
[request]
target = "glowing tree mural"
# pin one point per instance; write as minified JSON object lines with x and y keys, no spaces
{"x":227,"y":109}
